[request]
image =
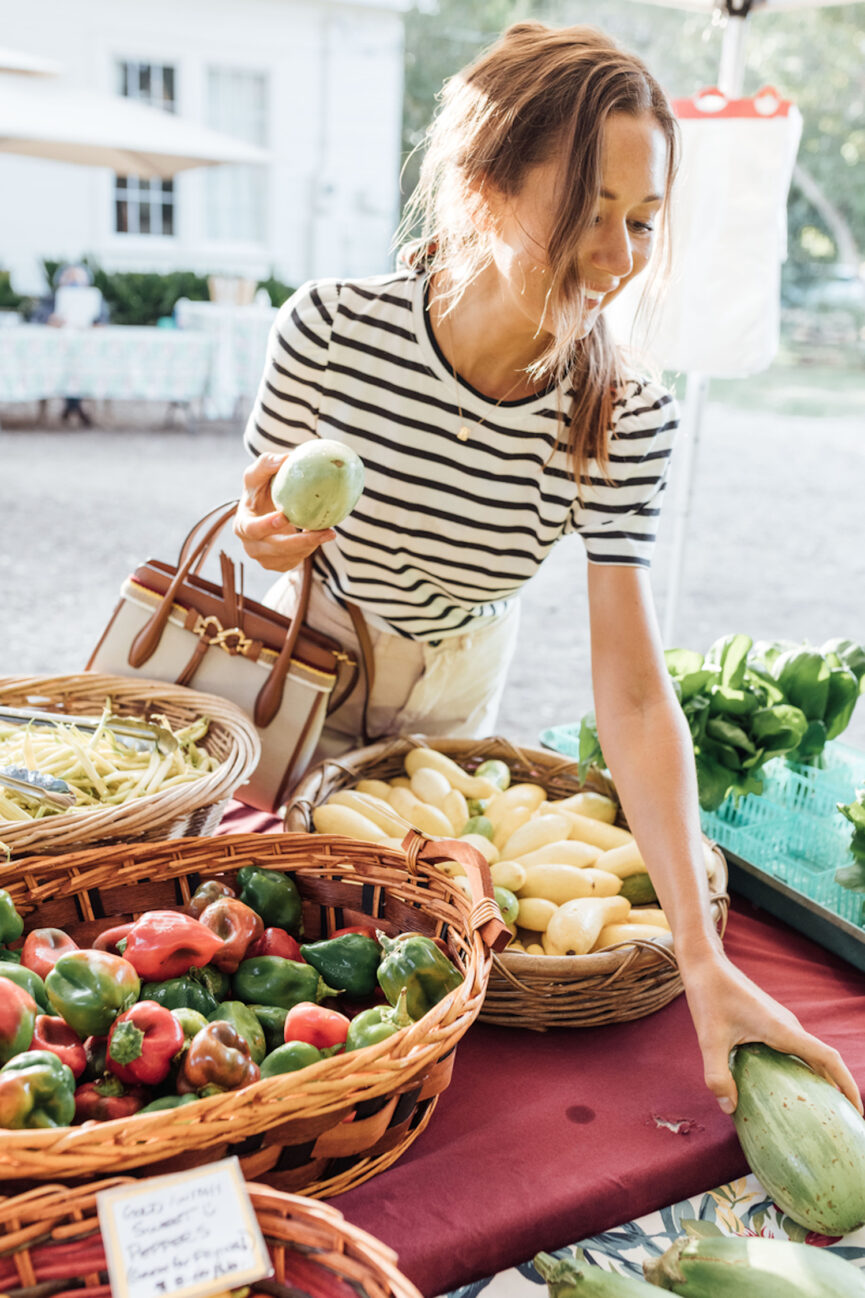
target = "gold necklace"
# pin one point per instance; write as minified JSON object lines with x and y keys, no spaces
{"x":464,"y":432}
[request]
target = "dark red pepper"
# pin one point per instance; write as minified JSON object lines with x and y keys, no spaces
{"x":276,"y":941}
{"x":205,"y":894}
{"x":217,"y":1057}
{"x":43,"y":947}
{"x":142,"y":1043}
{"x":108,"y":1098}
{"x":164,"y":944}
{"x":107,"y":941}
{"x":317,"y":1025}
{"x":237,"y":925}
{"x":54,"y":1034}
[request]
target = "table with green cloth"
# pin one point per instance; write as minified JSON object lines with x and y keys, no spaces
{"x":110,"y":362}
{"x":544,"y":1139}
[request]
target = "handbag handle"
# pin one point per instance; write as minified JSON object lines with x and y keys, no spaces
{"x":485,"y":918}
{"x":192,"y":554}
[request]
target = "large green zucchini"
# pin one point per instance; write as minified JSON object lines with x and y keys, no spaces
{"x":802,"y":1139}
{"x":569,"y":1277}
{"x":736,"y":1266}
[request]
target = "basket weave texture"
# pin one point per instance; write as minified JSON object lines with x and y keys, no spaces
{"x":528,"y":991}
{"x":185,"y":810}
{"x":320,"y":1130}
{"x":51,"y":1235}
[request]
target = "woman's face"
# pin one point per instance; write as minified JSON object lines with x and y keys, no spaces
{"x":614,"y":249}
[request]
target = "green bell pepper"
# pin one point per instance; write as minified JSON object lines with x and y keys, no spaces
{"x":272,"y":1019}
{"x":17,"y":1022}
{"x":30,"y":981}
{"x":378,"y":1023}
{"x":243,"y":1019}
{"x":90,"y":988}
{"x":179,"y":993}
{"x":414,"y":962}
{"x":272,"y":895}
{"x":11,"y":923}
{"x":36,"y":1090}
{"x":291,"y":1057}
{"x":349,"y":962}
{"x":169,"y":1102}
{"x":190,"y":1020}
{"x":11,"y":957}
{"x":273,"y":980}
{"x":213,"y":980}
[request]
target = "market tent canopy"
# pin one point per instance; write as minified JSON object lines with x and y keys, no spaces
{"x":16,"y":61}
{"x":46,"y":117}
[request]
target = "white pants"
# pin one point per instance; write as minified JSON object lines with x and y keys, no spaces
{"x":450,"y":688}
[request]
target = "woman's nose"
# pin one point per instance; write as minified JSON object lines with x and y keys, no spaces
{"x":612,"y":252}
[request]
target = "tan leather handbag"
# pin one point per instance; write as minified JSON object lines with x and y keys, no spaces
{"x":172,"y":625}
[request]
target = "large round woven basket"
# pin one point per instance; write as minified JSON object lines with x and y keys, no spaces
{"x":329,"y":1126}
{"x":530,"y":991}
{"x":50,"y":1237}
{"x":187,"y":809}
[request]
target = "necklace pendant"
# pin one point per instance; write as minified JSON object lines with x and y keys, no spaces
{"x":463,"y":434}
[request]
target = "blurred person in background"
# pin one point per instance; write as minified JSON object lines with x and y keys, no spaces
{"x":74,"y":302}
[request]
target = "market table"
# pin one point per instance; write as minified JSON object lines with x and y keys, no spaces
{"x":110,"y":362}
{"x":543,"y":1139}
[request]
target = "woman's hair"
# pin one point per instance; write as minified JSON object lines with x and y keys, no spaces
{"x":536,"y":91}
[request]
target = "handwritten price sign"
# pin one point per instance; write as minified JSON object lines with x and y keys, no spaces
{"x":182,"y":1236}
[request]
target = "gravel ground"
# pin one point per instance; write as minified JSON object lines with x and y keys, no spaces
{"x":775,"y":542}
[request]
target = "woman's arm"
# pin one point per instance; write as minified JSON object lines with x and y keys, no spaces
{"x":647,"y":746}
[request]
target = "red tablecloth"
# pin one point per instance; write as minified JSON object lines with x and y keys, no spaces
{"x":542,"y":1139}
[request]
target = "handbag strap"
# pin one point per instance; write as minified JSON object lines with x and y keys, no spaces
{"x":368,"y":658}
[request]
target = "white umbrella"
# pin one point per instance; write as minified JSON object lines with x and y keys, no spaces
{"x":53,"y":119}
{"x":16,"y":61}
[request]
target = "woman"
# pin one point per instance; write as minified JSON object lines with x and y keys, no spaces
{"x":494,"y":415}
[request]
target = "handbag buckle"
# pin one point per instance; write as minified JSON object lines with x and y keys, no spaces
{"x":231,"y":639}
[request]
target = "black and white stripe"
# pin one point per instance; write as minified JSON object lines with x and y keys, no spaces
{"x":446,"y":532}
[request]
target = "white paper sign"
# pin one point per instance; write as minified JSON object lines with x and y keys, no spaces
{"x":191,"y":1234}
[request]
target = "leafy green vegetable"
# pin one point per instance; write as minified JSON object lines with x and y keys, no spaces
{"x":853,"y":876}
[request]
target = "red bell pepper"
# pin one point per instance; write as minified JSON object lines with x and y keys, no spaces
{"x":107,"y":940}
{"x":54,"y":1034}
{"x":276,"y":941}
{"x":164,"y":944}
{"x":317,"y":1025}
{"x":108,"y":1098}
{"x":237,"y":925}
{"x":18,"y":1012}
{"x":217,"y":1057}
{"x":205,"y":894}
{"x":366,"y":929}
{"x":142,"y":1043}
{"x":43,"y":947}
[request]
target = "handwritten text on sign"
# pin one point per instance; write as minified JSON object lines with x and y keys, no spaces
{"x":182,"y":1236}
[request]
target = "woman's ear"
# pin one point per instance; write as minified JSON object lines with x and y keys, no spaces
{"x":485,"y":204}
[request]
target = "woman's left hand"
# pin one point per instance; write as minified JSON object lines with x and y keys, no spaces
{"x":728,"y":1010}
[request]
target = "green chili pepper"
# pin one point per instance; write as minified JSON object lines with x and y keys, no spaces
{"x":36,"y":1090}
{"x":30,"y":981}
{"x":90,"y":988}
{"x":242,"y":1018}
{"x":414,"y":962}
{"x":272,"y":895}
{"x":190,"y":1020}
{"x":349,"y":962}
{"x":168,"y":1102}
{"x":291,"y":1057}
{"x":272,"y":1019}
{"x":179,"y":993}
{"x":273,"y":980}
{"x":378,"y":1023}
{"x":11,"y":923}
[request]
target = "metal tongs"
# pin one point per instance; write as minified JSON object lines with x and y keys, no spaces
{"x":139,"y":735}
{"x":32,"y":792}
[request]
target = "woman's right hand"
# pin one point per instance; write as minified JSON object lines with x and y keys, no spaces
{"x":264,"y":532}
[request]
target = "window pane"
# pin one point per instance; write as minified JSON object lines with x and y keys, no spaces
{"x":144,"y":80}
{"x":121,"y":217}
{"x":168,"y":189}
{"x":144,"y":218}
{"x":167,"y":218}
{"x":120,"y":183}
{"x":168,"y":87}
{"x":123,"y":69}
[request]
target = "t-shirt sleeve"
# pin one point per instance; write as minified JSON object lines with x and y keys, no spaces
{"x":618,"y":519}
{"x":287,"y":403}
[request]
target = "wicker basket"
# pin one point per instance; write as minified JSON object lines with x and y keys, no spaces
{"x":528,"y":991}
{"x":50,"y":1236}
{"x":188,"y":809}
{"x":329,"y":1126}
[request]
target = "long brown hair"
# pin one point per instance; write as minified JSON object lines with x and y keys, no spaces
{"x":535,"y":90}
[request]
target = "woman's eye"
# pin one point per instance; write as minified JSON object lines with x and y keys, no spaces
{"x":642,"y":227}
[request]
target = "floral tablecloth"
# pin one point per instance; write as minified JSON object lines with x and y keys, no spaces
{"x":112,"y":362}
{"x":739,"y":1208}
{"x":239,"y":335}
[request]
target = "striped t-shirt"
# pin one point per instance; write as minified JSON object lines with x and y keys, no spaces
{"x":446,"y":531}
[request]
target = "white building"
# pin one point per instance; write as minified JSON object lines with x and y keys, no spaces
{"x":317,"y":83}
